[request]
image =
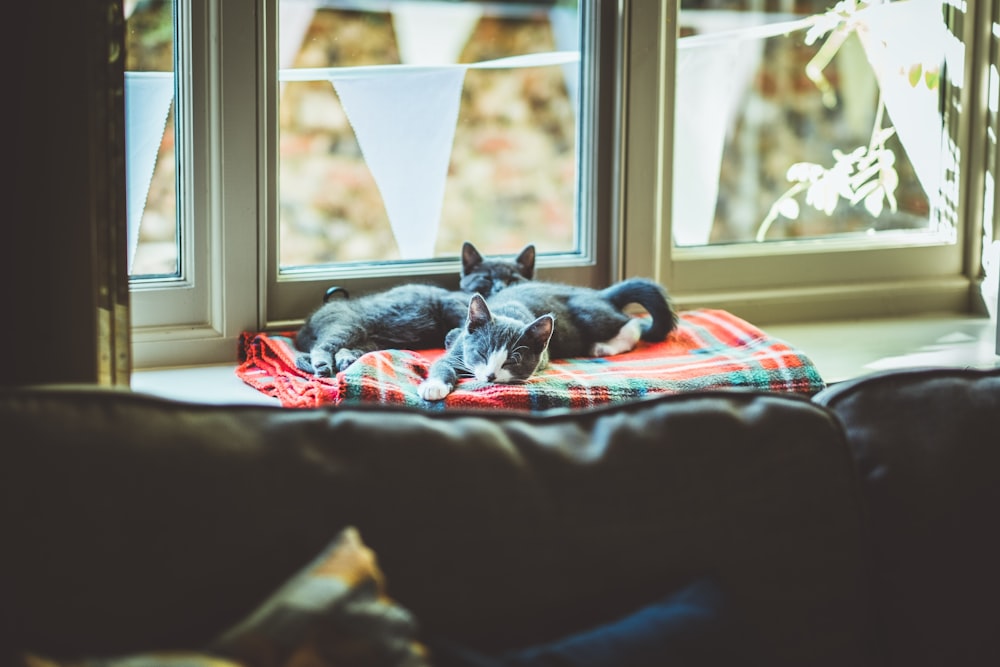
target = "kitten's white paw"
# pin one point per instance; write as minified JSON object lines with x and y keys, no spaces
{"x":625,"y":340}
{"x":602,"y":350}
{"x":433,"y":390}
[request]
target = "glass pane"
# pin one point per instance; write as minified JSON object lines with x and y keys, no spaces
{"x":150,"y":158}
{"x":805,"y":123}
{"x":399,"y":141}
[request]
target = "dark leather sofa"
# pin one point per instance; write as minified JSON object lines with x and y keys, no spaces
{"x":858,"y":527}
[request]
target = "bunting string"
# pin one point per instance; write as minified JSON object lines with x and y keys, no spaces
{"x":404,"y":115}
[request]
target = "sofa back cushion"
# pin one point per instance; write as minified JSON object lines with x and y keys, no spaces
{"x":134,"y":523}
{"x":927,"y":443}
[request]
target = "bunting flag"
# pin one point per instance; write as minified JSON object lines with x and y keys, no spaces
{"x":433,"y":33}
{"x":147,"y":104}
{"x":714,"y":70}
{"x":404,"y":118}
{"x":905,"y":61}
{"x":699,"y":136}
{"x":405,"y":125}
{"x":294,"y":20}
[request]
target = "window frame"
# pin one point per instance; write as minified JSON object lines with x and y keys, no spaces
{"x":197,"y":318}
{"x":292,"y":295}
{"x":229,"y":214}
{"x":887,"y":278}
{"x":228,"y":200}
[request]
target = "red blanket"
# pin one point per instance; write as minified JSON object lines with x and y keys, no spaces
{"x":710,"y":349}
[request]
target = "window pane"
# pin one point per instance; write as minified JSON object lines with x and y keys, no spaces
{"x":392,"y":148}
{"x":806,"y":124}
{"x":150,"y":158}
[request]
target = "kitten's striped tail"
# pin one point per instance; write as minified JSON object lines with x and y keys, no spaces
{"x":651,"y":296}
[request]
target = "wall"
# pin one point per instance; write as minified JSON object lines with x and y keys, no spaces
{"x":64,"y":295}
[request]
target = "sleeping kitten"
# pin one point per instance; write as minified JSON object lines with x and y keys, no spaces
{"x":510,"y":336}
{"x":489,"y":276}
{"x":504,"y":348}
{"x":408,"y":316}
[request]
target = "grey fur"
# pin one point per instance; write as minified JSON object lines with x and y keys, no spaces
{"x":406,"y":316}
{"x":585,"y":316}
{"x":487,"y":276}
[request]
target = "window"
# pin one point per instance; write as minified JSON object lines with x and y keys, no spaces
{"x":285,"y":184}
{"x":405,"y":128}
{"x":307,"y":143}
{"x":840,"y":262}
{"x":151,"y":177}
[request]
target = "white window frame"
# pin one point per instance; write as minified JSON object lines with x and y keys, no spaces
{"x":227,"y":96}
{"x":228,"y":204}
{"x":197,"y":318}
{"x":290,"y":296}
{"x":793,"y":281}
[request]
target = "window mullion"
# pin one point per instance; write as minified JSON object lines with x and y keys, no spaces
{"x":647,"y":137}
{"x":218,"y":193}
{"x":236,"y":201}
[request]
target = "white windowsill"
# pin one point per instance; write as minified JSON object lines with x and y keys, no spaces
{"x":840,"y":350}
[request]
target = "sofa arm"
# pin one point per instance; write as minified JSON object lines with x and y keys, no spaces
{"x":927,"y":442}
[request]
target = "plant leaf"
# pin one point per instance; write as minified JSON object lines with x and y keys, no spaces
{"x":789,"y":208}
{"x":932,"y":77}
{"x":875,"y":202}
{"x":863,"y":191}
{"x":863,"y":176}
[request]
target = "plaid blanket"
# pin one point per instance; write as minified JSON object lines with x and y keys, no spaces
{"x":710,"y":349}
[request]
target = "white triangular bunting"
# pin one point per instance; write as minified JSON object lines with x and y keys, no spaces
{"x":405,"y":124}
{"x":147,"y":103}
{"x":892,"y":52}
{"x":433,"y":33}
{"x":698,"y":151}
{"x":294,"y":20}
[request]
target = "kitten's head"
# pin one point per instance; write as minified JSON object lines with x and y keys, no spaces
{"x":487,"y":276}
{"x":495,"y":348}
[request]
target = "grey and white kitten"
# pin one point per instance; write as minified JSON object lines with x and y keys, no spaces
{"x":509,"y":336}
{"x":505,"y":347}
{"x":412,"y":316}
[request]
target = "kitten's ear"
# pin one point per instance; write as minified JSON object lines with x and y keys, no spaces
{"x":537,"y":334}
{"x":470,"y":258}
{"x":479,"y":313}
{"x":526,"y":262}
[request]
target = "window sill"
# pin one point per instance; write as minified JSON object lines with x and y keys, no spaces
{"x":844,"y":350}
{"x":841,"y":351}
